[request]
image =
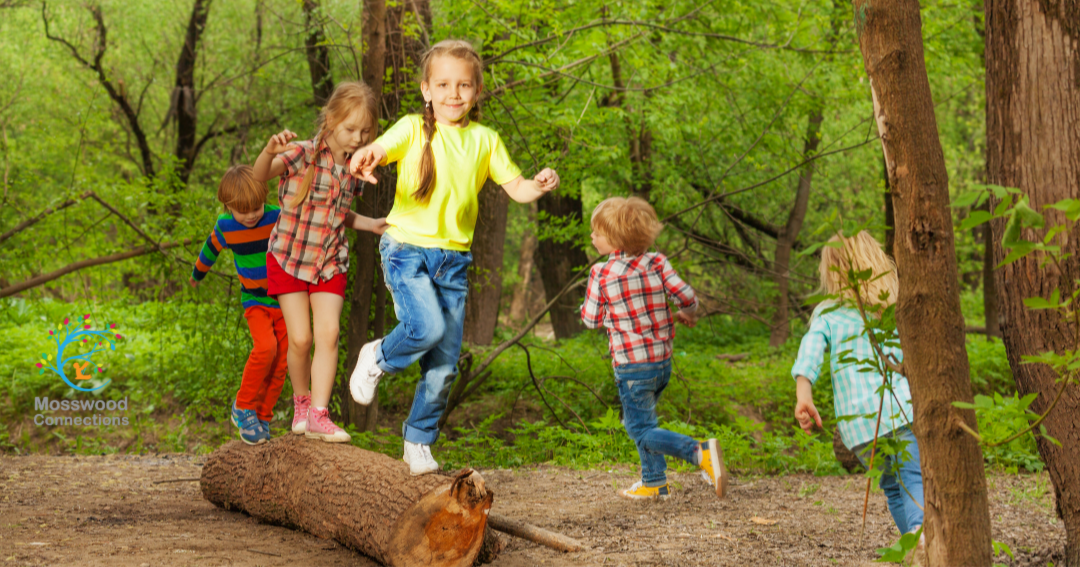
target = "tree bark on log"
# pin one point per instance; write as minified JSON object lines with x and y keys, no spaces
{"x":1032,"y":111}
{"x":363,"y":500}
{"x":928,"y":316}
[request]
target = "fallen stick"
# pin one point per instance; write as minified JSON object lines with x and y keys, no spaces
{"x":732,"y":357}
{"x":533,"y":533}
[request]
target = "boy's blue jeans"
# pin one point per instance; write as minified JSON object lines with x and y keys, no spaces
{"x":429,"y":286}
{"x":907,"y":515}
{"x":640,"y":386}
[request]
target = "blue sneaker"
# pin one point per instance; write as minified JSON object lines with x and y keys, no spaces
{"x":266,"y":429}
{"x":247,"y":421}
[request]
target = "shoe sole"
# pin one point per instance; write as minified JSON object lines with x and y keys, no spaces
{"x":329,"y":438}
{"x":299,"y":429}
{"x":628,"y":496}
{"x":356,"y":379}
{"x":716,"y":455}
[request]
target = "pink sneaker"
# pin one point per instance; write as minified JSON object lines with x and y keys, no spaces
{"x":301,"y":404}
{"x":319,"y":426}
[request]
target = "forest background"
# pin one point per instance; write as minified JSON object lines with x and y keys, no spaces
{"x":748,"y":126}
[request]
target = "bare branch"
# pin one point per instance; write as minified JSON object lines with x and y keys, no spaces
{"x":37,"y":218}
{"x":119,"y":256}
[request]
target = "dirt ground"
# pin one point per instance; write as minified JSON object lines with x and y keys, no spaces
{"x":62,"y":510}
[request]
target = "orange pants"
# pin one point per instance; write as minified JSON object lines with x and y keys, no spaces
{"x":264,"y":373}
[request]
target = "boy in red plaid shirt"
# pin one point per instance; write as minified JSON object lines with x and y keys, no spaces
{"x":628,"y":295}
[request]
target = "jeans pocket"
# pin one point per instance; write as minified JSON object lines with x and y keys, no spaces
{"x":642,"y":392}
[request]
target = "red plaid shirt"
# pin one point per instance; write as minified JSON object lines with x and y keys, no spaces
{"x":310,"y":242}
{"x":629,"y":296}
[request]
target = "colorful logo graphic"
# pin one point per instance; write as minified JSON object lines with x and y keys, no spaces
{"x":71,"y":339}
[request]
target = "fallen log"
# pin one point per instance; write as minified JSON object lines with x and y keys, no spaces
{"x":364,"y":500}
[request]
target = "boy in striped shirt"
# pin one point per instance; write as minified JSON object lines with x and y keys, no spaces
{"x":244,"y":229}
{"x":628,"y":295}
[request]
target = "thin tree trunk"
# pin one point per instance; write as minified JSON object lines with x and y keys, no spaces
{"x":931,"y":325}
{"x":364,"y":500}
{"x":183,"y":97}
{"x":318,"y":54}
{"x":781,"y":327}
{"x":364,"y":256}
{"x":558,"y":263}
{"x":1032,"y":109}
{"x":519,"y":304}
{"x":485,"y":274}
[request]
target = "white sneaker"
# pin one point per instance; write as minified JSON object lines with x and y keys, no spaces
{"x":365,"y":377}
{"x":419,"y":459}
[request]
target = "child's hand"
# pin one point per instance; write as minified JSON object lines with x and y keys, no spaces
{"x":279,"y":142}
{"x":548,"y":179}
{"x":193,"y":282}
{"x":685,"y":318}
{"x":379,"y":226}
{"x":807,"y":415}
{"x":365,"y":160}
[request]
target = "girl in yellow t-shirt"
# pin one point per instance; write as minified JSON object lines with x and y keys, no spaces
{"x":444,"y":157}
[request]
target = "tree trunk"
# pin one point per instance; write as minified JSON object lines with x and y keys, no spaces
{"x":364,"y":500}
{"x":365,"y":277}
{"x":1032,"y":109}
{"x":558,"y":262}
{"x":931,"y":326}
{"x":485,"y":274}
{"x":184,"y":99}
{"x":519,"y":304}
{"x":318,"y":54}
{"x":781,"y":327}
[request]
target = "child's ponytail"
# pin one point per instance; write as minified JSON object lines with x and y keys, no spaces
{"x":309,"y":176}
{"x":426,"y":171}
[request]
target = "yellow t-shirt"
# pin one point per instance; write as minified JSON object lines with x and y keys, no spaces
{"x":464,"y":159}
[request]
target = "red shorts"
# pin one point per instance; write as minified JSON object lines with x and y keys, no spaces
{"x":280,"y":283}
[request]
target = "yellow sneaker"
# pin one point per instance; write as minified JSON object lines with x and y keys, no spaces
{"x":640,"y":492}
{"x":712,"y":466}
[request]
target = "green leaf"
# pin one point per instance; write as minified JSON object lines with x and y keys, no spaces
{"x":1029,"y":217}
{"x":975,"y":219}
{"x":1000,"y":546}
{"x":968,"y":199}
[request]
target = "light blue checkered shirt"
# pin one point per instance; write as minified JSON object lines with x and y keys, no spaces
{"x":854,"y":386}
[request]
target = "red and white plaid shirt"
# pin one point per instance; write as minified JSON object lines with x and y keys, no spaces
{"x":310,"y":241}
{"x":629,"y":296}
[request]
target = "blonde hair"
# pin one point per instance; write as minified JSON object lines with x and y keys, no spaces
{"x":347,"y":98}
{"x":629,"y":224}
{"x":239,"y":191}
{"x":858,"y":253}
{"x":463,"y":50}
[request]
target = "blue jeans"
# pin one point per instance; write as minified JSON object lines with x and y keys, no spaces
{"x":429,"y":286}
{"x":640,"y":386}
{"x":905,"y":513}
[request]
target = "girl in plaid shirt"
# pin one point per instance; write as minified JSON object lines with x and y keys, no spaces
{"x":628,"y":295}
{"x":308,"y":253}
{"x":444,"y":158}
{"x":838,"y":328}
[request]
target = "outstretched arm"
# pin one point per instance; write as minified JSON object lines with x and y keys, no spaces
{"x":528,"y":190}
{"x":367,"y":224}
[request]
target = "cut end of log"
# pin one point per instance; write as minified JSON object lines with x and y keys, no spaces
{"x":445,"y":527}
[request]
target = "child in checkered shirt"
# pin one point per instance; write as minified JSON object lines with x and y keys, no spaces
{"x":308,"y":256}
{"x":629,"y":295}
{"x":837,"y":326}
